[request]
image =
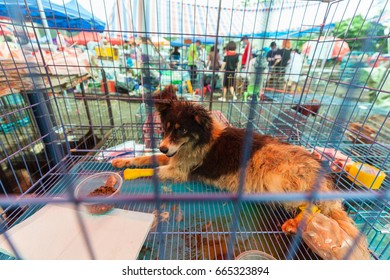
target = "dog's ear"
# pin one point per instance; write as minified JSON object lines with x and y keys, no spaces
{"x":168,"y":93}
{"x":163,"y":105}
{"x":202,"y":117}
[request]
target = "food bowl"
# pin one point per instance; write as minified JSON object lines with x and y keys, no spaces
{"x":254,"y":255}
{"x":98,"y":185}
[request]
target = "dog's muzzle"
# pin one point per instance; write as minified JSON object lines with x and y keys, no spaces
{"x":170,"y":150}
{"x":163,"y":149}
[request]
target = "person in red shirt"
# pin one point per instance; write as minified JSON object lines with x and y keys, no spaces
{"x":247,"y":55}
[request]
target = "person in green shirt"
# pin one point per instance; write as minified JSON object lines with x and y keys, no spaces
{"x":192,"y":58}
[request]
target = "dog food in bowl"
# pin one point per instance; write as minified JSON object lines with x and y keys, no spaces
{"x":102,"y":184}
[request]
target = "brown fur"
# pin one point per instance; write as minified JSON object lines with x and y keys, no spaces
{"x":141,"y":161}
{"x":169,"y":92}
{"x":199,"y":148}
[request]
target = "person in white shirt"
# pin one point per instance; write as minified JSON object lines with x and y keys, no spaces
{"x":293,"y":71}
{"x":257,"y":66}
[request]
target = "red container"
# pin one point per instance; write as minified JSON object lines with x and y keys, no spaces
{"x":110,"y":86}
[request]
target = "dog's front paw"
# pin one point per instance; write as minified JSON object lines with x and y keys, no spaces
{"x":121,"y":162}
{"x":166,"y":173}
{"x":290,"y":226}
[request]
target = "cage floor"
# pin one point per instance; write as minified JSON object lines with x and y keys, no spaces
{"x":200,"y":230}
{"x":196,"y":230}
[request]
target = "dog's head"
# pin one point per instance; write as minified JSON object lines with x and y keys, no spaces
{"x":168,"y":93}
{"x":184,"y":123}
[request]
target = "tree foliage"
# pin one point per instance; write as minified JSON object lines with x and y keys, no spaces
{"x":361,"y":35}
{"x":298,"y":43}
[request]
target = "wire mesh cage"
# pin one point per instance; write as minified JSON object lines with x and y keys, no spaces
{"x":78,"y":87}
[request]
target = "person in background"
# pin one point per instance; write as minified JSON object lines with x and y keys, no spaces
{"x":223,"y":54}
{"x":272,"y":53}
{"x":213,"y":63}
{"x":247,"y":55}
{"x":202,"y":56}
{"x":175,"y":54}
{"x":282,"y":60}
{"x":136,"y":55}
{"x":293,"y":71}
{"x":230,"y":63}
{"x":192,"y":59}
{"x":271,"y":57}
{"x":212,"y":58}
{"x":257,"y":66}
{"x":174,"y":58}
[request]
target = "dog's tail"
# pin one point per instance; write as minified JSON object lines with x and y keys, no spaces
{"x":335,"y":210}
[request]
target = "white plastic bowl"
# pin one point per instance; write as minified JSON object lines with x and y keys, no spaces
{"x":89,"y":184}
{"x":254,"y":255}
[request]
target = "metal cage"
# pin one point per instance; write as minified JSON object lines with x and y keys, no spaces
{"x":67,"y":108}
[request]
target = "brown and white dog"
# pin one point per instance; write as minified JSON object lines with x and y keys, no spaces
{"x":197,"y":147}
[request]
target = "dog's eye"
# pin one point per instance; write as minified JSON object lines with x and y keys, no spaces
{"x":183,"y":130}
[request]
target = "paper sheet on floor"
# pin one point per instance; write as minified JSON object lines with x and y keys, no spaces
{"x":54,"y":232}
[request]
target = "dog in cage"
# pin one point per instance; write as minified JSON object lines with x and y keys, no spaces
{"x":197,"y":147}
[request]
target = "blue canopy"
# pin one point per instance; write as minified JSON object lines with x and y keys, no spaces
{"x":296,"y":33}
{"x":71,"y":16}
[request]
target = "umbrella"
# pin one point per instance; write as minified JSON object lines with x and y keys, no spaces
{"x":84,"y":37}
{"x":70,"y":17}
{"x":327,"y":48}
{"x":159,"y":41}
{"x":117,"y":39}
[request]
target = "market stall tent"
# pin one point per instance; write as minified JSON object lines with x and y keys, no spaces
{"x":193,"y":20}
{"x":83,"y":38}
{"x":266,"y":19}
{"x":159,"y":41}
{"x":70,"y":16}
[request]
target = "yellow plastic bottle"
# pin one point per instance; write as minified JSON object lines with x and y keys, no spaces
{"x":131,"y":174}
{"x":189,"y":85}
{"x":365,"y":175}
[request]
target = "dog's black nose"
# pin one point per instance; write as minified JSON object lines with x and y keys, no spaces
{"x":164,"y":149}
